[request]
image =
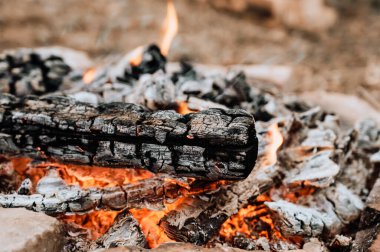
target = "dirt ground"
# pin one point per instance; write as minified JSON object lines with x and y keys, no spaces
{"x":335,"y":60}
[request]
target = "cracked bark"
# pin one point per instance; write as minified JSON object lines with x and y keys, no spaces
{"x":213,"y":144}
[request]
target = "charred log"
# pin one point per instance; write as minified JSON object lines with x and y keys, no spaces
{"x":213,"y":144}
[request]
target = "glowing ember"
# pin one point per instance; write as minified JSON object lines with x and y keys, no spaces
{"x":89,"y":75}
{"x":292,"y":194}
{"x":183,"y":108}
{"x":100,"y":176}
{"x":253,"y":221}
{"x":170,"y":28}
{"x":97,"y":222}
{"x":149,"y":221}
{"x":83,"y":176}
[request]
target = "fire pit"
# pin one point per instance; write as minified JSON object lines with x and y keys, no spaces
{"x":141,"y":153}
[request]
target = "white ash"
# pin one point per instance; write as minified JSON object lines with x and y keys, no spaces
{"x":292,"y":219}
{"x":319,"y":171}
{"x":347,"y":205}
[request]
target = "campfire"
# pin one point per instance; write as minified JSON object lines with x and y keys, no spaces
{"x":141,"y":152}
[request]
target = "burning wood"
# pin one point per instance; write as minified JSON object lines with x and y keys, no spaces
{"x":55,"y":196}
{"x":195,"y":229}
{"x":212,"y":144}
{"x":308,"y":181}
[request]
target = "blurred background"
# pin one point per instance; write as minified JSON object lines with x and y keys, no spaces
{"x":331,"y":45}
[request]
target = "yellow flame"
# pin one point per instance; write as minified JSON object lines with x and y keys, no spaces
{"x":170,"y":28}
{"x":136,"y":56}
{"x":277,"y":139}
{"x":183,"y":108}
{"x":89,"y":75}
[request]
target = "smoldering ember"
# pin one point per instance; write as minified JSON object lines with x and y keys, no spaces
{"x":142,"y":154}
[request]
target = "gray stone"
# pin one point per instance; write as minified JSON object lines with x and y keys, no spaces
{"x":23,"y":230}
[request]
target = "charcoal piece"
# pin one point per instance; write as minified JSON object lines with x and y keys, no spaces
{"x":24,"y":72}
{"x":187,"y":71}
{"x":152,"y":60}
{"x":236,"y":91}
{"x":25,"y":187}
{"x":262,"y":106}
{"x":155,"y":91}
{"x":213,"y":144}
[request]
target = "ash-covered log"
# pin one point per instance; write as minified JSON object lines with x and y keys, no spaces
{"x":54,"y":196}
{"x":213,"y":144}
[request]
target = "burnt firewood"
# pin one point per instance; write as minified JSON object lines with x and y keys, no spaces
{"x":24,"y":72}
{"x":199,"y":222}
{"x":125,"y":231}
{"x":201,"y":227}
{"x":54,"y":196}
{"x":213,"y":144}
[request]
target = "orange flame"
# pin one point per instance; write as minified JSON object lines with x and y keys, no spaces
{"x":149,"y":221}
{"x":86,"y":176}
{"x":276,"y":141}
{"x":253,"y":221}
{"x":184,"y":109}
{"x":170,"y":28}
{"x":96,"y":222}
{"x":169,"y":31}
{"x":136,"y":56}
{"x":89,"y":75}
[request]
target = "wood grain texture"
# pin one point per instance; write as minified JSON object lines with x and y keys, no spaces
{"x":213,"y":144}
